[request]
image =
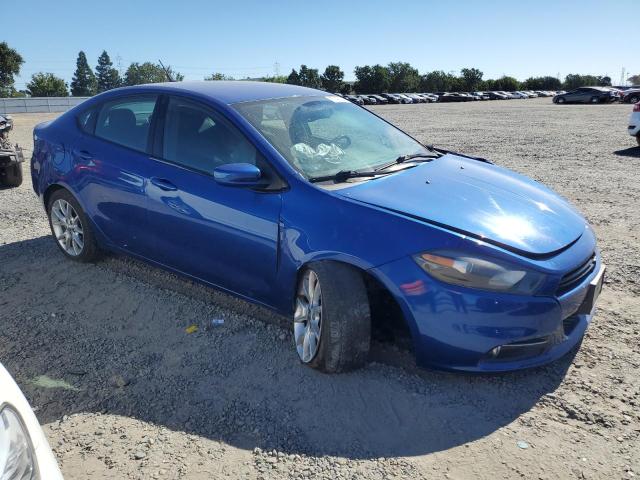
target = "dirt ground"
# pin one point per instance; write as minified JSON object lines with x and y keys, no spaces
{"x":123,"y":391}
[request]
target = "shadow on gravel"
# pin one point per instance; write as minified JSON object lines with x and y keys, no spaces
{"x":628,"y":152}
{"x":119,"y":342}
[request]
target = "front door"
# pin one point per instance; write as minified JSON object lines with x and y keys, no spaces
{"x":224,"y":235}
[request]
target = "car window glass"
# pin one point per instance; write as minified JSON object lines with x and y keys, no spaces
{"x":200,"y":139}
{"x":126,"y":121}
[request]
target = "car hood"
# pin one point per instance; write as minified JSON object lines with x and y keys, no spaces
{"x":479,"y":200}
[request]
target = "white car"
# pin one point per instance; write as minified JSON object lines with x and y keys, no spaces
{"x":634,"y":122}
{"x":520,"y":94}
{"x":24,"y":451}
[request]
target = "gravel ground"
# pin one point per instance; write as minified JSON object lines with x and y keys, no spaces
{"x":123,"y":391}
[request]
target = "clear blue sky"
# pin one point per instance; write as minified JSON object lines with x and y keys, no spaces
{"x":247,"y":37}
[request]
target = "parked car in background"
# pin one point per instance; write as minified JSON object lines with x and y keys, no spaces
{"x":631,"y":95}
{"x":368,"y":100}
{"x":634,"y":123}
{"x":380,"y":99}
{"x":496,"y":95}
{"x":24,"y":451}
{"x":319,"y":215}
{"x":521,"y":95}
{"x":355,"y":99}
{"x":431,"y":96}
{"x":453,"y":97}
{"x":482,"y":95}
{"x":392,"y":98}
{"x":416,"y":98}
{"x":586,"y":95}
{"x":406,"y":97}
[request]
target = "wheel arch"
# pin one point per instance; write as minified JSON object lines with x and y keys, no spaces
{"x":388,"y":319}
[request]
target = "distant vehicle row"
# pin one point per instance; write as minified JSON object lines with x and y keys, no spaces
{"x":403,"y":98}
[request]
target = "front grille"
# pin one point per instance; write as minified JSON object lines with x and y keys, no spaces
{"x":575,"y":276}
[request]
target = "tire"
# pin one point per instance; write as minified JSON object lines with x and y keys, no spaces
{"x":11,"y":176}
{"x":69,"y":245}
{"x":634,"y":99}
{"x":343,"y":328}
{"x":561,"y":100}
{"x":595,"y":99}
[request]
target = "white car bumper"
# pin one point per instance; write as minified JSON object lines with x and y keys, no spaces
{"x":24,"y":426}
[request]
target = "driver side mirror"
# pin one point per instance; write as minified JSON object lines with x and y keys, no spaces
{"x":238,"y":175}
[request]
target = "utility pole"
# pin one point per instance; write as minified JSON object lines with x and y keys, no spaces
{"x":276,"y":68}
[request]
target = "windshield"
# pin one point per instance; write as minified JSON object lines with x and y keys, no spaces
{"x":321,"y":136}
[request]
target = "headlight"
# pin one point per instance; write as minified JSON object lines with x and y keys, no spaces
{"x":473,"y":272}
{"x":17,"y":458}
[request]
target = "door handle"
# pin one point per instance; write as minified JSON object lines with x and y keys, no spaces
{"x":163,"y":184}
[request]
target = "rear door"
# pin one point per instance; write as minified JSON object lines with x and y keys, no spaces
{"x":112,"y":167}
{"x":224,"y":235}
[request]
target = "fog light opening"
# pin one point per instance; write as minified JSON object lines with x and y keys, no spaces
{"x":495,"y":351}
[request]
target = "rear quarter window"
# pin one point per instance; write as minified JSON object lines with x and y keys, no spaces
{"x":126,"y":121}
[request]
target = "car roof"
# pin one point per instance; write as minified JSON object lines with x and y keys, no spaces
{"x":235,"y":91}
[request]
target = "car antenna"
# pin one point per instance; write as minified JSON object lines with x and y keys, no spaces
{"x":166,"y":71}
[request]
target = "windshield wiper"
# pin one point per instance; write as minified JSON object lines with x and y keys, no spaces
{"x":343,"y":175}
{"x":405,"y":158}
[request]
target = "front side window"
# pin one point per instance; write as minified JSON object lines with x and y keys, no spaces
{"x":324,"y":135}
{"x":127,"y":121}
{"x":200,"y":139}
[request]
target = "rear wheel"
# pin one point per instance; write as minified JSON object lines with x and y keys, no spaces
{"x":332,"y":320}
{"x":634,"y":99}
{"x":594,"y":100}
{"x":71,"y":228}
{"x":560,"y":100}
{"x":11,"y":176}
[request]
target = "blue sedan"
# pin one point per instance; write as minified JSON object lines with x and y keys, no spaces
{"x":299,"y":200}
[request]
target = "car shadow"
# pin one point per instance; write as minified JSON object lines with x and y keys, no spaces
{"x":628,"y":152}
{"x":110,"y":337}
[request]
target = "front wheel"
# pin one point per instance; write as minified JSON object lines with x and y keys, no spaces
{"x":560,"y":100}
{"x":332,"y":319}
{"x":634,"y":99}
{"x":71,"y":228}
{"x":594,"y":100}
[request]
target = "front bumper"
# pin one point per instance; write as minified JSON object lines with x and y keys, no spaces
{"x":457,"y":328}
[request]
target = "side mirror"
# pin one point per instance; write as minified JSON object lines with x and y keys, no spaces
{"x":238,"y":175}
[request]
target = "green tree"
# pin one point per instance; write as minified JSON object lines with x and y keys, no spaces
{"x":371,"y":79}
{"x":309,"y":77}
{"x":107,"y":76}
{"x":438,"y":81}
{"x":471,"y":79}
{"x":403,"y":77}
{"x":218,"y":76}
{"x":574,"y":80}
{"x":275,"y":79}
{"x":47,"y":85}
{"x":504,"y":83}
{"x":147,"y":72}
{"x":83,"y":83}
{"x":542,"y":83}
{"x":634,"y":79}
{"x":10,"y":63}
{"x":294,"y":78}
{"x":604,"y":81}
{"x":332,"y":79}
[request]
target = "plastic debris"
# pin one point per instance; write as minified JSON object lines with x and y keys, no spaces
{"x":191,"y":329}
{"x":216,"y":322}
{"x":43,"y":381}
{"x":522,"y":444}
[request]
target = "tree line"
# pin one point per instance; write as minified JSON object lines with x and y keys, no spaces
{"x":394,"y":77}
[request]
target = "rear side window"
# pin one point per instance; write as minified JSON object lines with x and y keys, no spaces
{"x":127,"y":121}
{"x":200,"y":139}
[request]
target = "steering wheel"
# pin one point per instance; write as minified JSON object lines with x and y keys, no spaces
{"x":343,"y":141}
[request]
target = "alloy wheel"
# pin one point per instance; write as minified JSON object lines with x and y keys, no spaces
{"x":67,"y":227}
{"x":307,"y":319}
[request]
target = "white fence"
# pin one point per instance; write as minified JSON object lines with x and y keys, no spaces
{"x":39,"y":104}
